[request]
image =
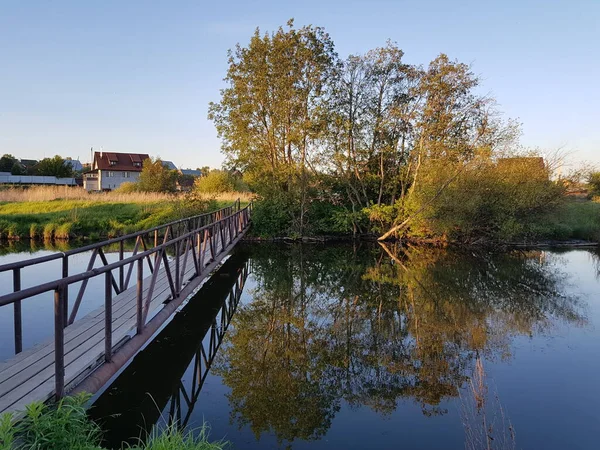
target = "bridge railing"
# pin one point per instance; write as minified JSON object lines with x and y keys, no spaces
{"x":204,"y":243}
{"x":142,"y":241}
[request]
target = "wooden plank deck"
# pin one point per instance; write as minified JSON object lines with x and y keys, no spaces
{"x":29,"y":376}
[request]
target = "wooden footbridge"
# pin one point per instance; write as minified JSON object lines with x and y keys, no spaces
{"x":140,"y":291}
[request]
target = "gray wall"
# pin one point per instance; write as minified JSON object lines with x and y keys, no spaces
{"x":118,"y":178}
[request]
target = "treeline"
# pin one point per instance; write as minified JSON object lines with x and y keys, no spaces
{"x":371,"y":144}
{"x":157,"y":177}
{"x":56,"y":166}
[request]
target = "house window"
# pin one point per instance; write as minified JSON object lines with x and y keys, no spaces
{"x":113,"y":163}
{"x":110,"y":174}
{"x":137,"y":164}
{"x":126,"y":174}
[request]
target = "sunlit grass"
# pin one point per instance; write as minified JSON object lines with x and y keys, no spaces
{"x":50,"y":193}
{"x":62,"y":213}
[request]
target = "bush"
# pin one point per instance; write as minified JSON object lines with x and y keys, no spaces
{"x":272,"y":217}
{"x":218,"y":181}
{"x":489,"y":201}
{"x":67,"y":426}
{"x":128,"y":187}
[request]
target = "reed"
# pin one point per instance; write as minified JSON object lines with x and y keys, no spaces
{"x":52,"y":193}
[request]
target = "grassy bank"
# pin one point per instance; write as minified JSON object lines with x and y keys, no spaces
{"x":60,"y":213}
{"x":574,"y":219}
{"x":66,"y":426}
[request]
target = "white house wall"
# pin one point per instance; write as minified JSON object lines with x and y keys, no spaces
{"x":114,"y":179}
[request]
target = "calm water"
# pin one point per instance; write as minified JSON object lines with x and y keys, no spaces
{"x":38,"y":311}
{"x":372,"y":347}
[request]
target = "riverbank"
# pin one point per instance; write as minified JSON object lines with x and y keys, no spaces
{"x":68,"y":214}
{"x":574,"y":223}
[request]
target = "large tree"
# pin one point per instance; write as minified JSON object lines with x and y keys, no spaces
{"x":7,"y":162}
{"x":155,"y":177}
{"x":269,"y":117}
{"x":54,"y":167}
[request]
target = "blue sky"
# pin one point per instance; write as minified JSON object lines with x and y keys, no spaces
{"x":138,"y":75}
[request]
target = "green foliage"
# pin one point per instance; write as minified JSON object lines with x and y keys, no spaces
{"x":487,"y":201}
{"x":173,"y":439}
{"x":7,"y":432}
{"x":7,"y":162}
{"x":67,"y":219}
{"x":155,"y":177}
{"x":593,"y":181}
{"x":127,"y":187}
{"x":66,"y":426}
{"x":218,"y":181}
{"x":17,"y":170}
{"x":272,"y":217}
{"x":62,"y":426}
{"x":54,"y":167}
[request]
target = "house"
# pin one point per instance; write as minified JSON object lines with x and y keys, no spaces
{"x":7,"y":178}
{"x":533,"y":166}
{"x":169,"y":165}
{"x":76,"y":166}
{"x":110,"y":170}
{"x":191,"y":173}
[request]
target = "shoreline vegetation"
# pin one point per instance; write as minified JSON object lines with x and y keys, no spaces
{"x":65,"y":214}
{"x":66,"y":425}
{"x":70,"y":215}
{"x":369,"y":145}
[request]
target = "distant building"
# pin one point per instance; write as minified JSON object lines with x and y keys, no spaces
{"x":110,"y":170}
{"x":534,"y":166}
{"x":75,"y":164}
{"x":7,"y":178}
{"x":191,"y":172}
{"x":169,"y":165}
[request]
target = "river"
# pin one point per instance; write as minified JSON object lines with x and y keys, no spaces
{"x":366,"y":346}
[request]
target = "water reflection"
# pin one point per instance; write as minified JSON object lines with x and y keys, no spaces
{"x":371,"y":325}
{"x":323,"y":334}
{"x":153,"y":385}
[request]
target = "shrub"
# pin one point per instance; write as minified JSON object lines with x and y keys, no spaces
{"x":272,"y":217}
{"x":64,"y":425}
{"x":218,"y":181}
{"x":128,"y":187}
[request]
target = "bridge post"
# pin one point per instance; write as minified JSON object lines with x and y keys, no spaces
{"x":18,"y":320}
{"x":59,"y":341}
{"x":108,"y":316}
{"x":140,"y":294}
{"x":65,"y":274}
{"x":122,"y":268}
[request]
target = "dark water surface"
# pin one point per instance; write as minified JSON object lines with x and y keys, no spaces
{"x":363,"y":346}
{"x":371,"y":347}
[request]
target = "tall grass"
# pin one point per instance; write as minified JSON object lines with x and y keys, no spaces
{"x":485,"y":423}
{"x":51,"y":193}
{"x":63,"y":213}
{"x":67,"y":426}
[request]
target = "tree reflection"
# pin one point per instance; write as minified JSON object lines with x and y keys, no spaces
{"x":370,"y":325}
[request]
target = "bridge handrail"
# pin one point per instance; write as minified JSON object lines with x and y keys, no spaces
{"x":61,"y":282}
{"x":87,"y":248}
{"x":206,"y":244}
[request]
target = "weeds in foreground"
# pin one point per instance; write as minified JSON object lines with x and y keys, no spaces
{"x":486,"y":426}
{"x":67,"y":426}
{"x":63,"y":426}
{"x":172,"y":438}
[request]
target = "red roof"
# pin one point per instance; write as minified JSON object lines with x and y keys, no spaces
{"x":119,"y":161}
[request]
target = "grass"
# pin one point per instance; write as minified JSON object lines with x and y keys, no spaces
{"x":50,"y":193}
{"x":67,"y":426}
{"x":63,"y":213}
{"x":574,"y":219}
